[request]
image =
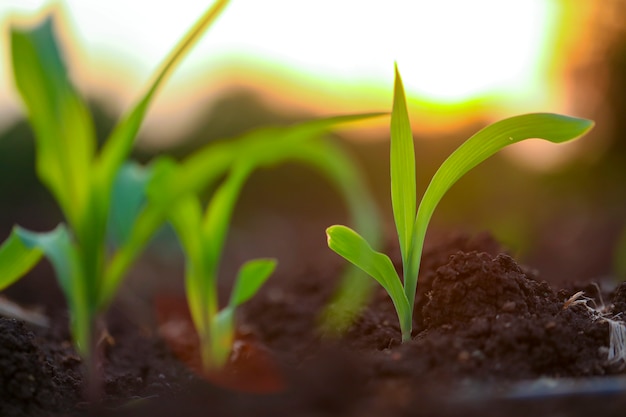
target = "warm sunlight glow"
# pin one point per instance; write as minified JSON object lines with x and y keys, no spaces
{"x":449,"y":51}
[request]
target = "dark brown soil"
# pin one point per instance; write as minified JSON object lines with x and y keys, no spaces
{"x":490,"y":338}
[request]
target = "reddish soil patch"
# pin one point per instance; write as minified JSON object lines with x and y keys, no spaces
{"x":483,"y":325}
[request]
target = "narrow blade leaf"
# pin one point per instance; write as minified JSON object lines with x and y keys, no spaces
{"x":16,"y":259}
{"x":262,"y":147}
{"x":252,"y":275}
{"x":138,"y":229}
{"x":220,"y":210}
{"x":200,"y":279}
{"x":117,"y":148}
{"x":63,"y":127}
{"x":403,"y":192}
{"x":128,"y":197}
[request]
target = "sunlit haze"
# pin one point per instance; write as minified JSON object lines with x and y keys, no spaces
{"x":449,"y":52}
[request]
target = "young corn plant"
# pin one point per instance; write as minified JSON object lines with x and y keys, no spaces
{"x":202,"y":236}
{"x":411,"y":227}
{"x":172,"y":193}
{"x":81,"y":179}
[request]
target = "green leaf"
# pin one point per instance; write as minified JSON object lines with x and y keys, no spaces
{"x":220,"y":210}
{"x":252,"y":275}
{"x":58,"y":247}
{"x":145,"y":224}
{"x":216,"y":351}
{"x":551,"y":127}
{"x":336,"y":166}
{"x":60,"y":251}
{"x":341,"y":171}
{"x":63,"y":127}
{"x":127,"y":200}
{"x":351,"y":246}
{"x":118,"y":146}
{"x":263,"y":147}
{"x":16,"y":259}
{"x":200,"y":278}
{"x":186,"y":217}
{"x":403,"y":187}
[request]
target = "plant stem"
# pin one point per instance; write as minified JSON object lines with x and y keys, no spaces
{"x":91,"y":361}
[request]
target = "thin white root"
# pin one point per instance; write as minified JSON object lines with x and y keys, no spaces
{"x":617,"y":328}
{"x":617,"y":341}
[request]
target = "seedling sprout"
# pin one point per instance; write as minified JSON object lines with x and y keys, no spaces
{"x":173,"y":192}
{"x":411,"y":228}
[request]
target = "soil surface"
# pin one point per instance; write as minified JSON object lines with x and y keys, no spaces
{"x":490,"y":338}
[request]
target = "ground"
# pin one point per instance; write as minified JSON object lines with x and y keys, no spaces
{"x":489,"y":336}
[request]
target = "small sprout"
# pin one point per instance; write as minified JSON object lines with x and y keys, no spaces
{"x":202,"y":236}
{"x":411,"y":227}
{"x":174,"y":190}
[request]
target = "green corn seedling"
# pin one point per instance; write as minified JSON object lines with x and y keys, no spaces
{"x":411,"y":228}
{"x":202,"y":237}
{"x":172,"y":193}
{"x":81,"y":179}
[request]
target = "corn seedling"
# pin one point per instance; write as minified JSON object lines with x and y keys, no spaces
{"x":202,"y":237}
{"x":411,"y":227}
{"x":80,"y":178}
{"x":172,"y":194}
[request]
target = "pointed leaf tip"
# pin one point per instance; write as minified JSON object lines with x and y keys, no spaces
{"x":251,"y":277}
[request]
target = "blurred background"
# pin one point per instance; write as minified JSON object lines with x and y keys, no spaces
{"x":559,"y":209}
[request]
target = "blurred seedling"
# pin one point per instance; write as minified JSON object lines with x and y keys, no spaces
{"x":171,"y":192}
{"x":79,"y":177}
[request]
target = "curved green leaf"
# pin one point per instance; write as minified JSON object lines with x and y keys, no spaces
{"x":16,"y":259}
{"x":118,"y":146}
{"x":551,"y":127}
{"x":60,"y":251}
{"x":341,"y":171}
{"x":62,"y":123}
{"x":263,"y":147}
{"x":352,"y":247}
{"x":58,"y":247}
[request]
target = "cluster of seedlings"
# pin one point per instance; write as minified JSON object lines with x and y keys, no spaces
{"x":113,"y":206}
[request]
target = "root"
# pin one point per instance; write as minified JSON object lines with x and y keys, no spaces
{"x":617,"y":341}
{"x":617,"y":328}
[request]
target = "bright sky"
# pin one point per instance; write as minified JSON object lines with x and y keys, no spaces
{"x":448,"y":51}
